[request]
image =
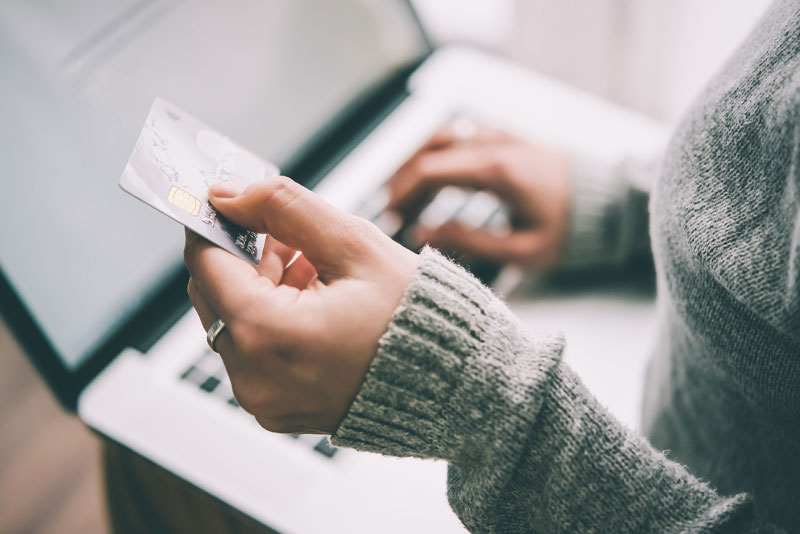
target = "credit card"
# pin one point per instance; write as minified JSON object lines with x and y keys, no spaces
{"x":173,"y":163}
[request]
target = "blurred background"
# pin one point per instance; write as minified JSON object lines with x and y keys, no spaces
{"x":649,"y":55}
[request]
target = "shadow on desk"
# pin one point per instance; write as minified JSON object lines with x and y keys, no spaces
{"x":50,"y":476}
{"x":144,"y":497}
{"x":633,"y":282}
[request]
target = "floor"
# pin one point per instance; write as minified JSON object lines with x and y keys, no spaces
{"x":50,"y":478}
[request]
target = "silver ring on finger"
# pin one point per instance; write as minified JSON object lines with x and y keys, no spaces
{"x":213,"y":332}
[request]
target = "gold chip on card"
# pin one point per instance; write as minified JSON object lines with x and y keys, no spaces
{"x":174,"y":160}
{"x":185,"y":201}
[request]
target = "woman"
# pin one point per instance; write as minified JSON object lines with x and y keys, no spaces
{"x":409,"y":355}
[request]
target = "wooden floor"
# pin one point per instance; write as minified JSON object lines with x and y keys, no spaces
{"x":50,"y":478}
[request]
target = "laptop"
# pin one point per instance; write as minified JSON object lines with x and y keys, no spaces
{"x":339,"y":94}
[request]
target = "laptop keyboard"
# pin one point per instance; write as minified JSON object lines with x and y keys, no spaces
{"x":208,"y":375}
{"x":472,"y":209}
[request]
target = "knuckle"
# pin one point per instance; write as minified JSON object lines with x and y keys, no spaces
{"x":247,"y":401}
{"x":257,"y":344}
{"x":522,"y":250}
{"x":497,"y":163}
{"x":275,"y":195}
{"x":276,"y":426}
{"x":271,"y":410}
{"x":423,"y":167}
{"x":260,"y":400}
{"x":250,"y":394}
{"x":281,"y":190}
{"x":417,"y":166}
{"x":241,"y":392}
{"x":355,"y":233}
{"x":193,"y":252}
{"x":287,"y":346}
{"x":189,"y":252}
{"x":246,"y":336}
{"x":284,"y":348}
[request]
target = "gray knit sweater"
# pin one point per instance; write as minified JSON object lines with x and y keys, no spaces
{"x":529,"y":448}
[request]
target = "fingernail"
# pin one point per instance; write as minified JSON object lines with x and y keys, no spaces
{"x":226,"y":189}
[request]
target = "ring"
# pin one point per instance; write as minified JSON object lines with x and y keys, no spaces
{"x":213,"y":333}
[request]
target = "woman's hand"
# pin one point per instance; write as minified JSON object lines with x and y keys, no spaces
{"x":532,"y":181}
{"x":299,"y":339}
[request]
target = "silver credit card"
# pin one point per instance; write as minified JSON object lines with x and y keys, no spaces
{"x":173,"y":163}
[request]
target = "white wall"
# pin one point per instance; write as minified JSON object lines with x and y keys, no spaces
{"x":485,"y":22}
{"x":652,"y":55}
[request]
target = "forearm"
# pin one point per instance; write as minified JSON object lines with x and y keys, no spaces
{"x":581,"y":471}
{"x":529,"y":448}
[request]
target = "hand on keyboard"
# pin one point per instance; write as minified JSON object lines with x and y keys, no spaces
{"x":436,"y":187}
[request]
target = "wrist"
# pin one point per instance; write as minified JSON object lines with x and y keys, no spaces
{"x":452,"y":366}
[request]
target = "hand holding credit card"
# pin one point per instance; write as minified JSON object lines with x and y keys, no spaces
{"x":173,"y":163}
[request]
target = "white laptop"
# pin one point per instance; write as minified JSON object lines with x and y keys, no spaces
{"x":337,"y":92}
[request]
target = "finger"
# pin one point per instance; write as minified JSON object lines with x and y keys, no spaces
{"x":299,"y":274}
{"x":523,"y":246}
{"x":443,"y":137}
{"x":462,"y":130}
{"x":452,"y":132}
{"x":294,"y":216}
{"x":291,"y":424}
{"x":201,"y":305}
{"x":463,"y":166}
{"x":207,"y":315}
{"x":227,"y":282}
{"x":274,"y":259}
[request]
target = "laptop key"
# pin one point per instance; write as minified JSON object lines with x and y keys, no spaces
{"x":325,"y":448}
{"x":374,"y":205}
{"x":444,"y":206}
{"x":499,"y":223}
{"x":210,"y":384}
{"x":194,"y":376}
{"x":478,"y":210}
{"x":210,"y":363}
{"x":188,"y":372}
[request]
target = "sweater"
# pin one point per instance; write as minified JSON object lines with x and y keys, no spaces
{"x":529,"y":449}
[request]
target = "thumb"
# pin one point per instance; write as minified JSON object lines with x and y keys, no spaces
{"x":294,"y":216}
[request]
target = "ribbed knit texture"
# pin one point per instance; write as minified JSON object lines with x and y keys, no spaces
{"x":608,"y":214}
{"x":529,"y":449}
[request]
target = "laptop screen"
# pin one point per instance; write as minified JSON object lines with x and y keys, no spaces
{"x":78,"y":80}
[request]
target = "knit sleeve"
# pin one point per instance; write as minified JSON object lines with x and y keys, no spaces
{"x":529,"y":449}
{"x":609,"y":211}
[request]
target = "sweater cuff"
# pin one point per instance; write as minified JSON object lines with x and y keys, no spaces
{"x":595,"y":214}
{"x":453,"y":376}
